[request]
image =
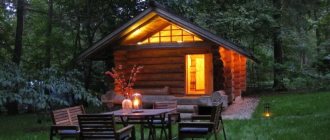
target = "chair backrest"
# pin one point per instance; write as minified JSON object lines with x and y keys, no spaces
{"x":97,"y":126}
{"x":67,"y":116}
{"x":216,"y":116}
{"x":165,"y":104}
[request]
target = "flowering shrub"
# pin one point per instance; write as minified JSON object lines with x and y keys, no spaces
{"x":124,"y":84}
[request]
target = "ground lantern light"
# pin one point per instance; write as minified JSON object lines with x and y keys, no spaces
{"x":267,"y":112}
{"x":137,"y":102}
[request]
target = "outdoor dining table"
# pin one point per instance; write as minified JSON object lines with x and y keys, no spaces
{"x":142,"y":117}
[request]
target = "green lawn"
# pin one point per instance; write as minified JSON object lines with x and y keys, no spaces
{"x":294,"y":116}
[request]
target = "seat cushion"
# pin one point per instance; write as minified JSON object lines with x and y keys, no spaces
{"x":159,"y":121}
{"x":194,"y":130}
{"x":68,"y":132}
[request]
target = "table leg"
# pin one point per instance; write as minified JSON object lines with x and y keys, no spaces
{"x":152,"y":128}
{"x":162,"y":118}
{"x":142,"y":129}
{"x":152,"y":131}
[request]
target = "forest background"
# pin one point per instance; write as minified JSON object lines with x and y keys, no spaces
{"x":39,"y":40}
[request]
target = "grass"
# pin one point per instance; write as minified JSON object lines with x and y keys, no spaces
{"x":294,"y":116}
{"x":23,"y":127}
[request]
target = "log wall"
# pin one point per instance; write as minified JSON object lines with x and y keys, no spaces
{"x":162,"y":67}
{"x":226,"y":56}
{"x":234,"y":72}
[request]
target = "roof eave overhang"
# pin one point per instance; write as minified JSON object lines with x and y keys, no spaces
{"x":151,"y":12}
{"x":121,"y":31}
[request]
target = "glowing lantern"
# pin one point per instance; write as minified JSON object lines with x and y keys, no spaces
{"x":267,"y":110}
{"x":137,"y":102}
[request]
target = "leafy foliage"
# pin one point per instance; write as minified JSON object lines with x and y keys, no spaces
{"x":48,"y":89}
{"x":304,"y":34}
{"x":76,"y":25}
{"x":11,"y":83}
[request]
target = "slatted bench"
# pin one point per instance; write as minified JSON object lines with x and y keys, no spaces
{"x":65,"y":122}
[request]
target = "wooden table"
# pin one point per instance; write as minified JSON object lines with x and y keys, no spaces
{"x":146,"y":116}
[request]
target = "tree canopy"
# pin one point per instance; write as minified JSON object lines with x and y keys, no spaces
{"x":290,"y":37}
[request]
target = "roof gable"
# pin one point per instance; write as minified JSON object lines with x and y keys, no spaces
{"x":159,"y":31}
{"x":151,"y":15}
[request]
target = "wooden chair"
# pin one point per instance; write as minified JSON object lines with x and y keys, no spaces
{"x":102,"y":126}
{"x":170,"y":118}
{"x":65,"y":122}
{"x":202,"y":129}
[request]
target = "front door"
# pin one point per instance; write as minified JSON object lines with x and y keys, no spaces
{"x":195,"y":74}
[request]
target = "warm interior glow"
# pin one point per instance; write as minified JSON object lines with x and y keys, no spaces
{"x":136,"y":32}
{"x":172,"y":34}
{"x":136,"y":103}
{"x":195,"y":73}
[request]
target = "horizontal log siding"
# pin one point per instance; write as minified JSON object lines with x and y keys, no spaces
{"x":162,"y":67}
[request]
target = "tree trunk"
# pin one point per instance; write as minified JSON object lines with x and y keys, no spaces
{"x":48,"y":54}
{"x":88,"y":64}
{"x":19,"y":32}
{"x":77,"y":42}
{"x":12,"y":106}
{"x":278,"y":49}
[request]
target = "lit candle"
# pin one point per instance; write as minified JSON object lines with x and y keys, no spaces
{"x":136,"y":104}
{"x":137,"y":101}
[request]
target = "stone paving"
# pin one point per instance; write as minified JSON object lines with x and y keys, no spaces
{"x":242,"y":108}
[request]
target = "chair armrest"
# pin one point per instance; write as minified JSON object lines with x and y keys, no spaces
{"x":130,"y":129}
{"x":200,"y":117}
{"x":172,"y":115}
{"x":196,"y":124}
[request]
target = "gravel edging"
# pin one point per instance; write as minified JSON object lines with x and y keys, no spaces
{"x":241,"y":108}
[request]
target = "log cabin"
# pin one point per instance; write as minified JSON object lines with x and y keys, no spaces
{"x":181,"y":60}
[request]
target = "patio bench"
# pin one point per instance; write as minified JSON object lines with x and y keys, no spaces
{"x":65,"y":122}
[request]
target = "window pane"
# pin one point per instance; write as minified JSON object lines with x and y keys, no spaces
{"x":165,"y":33}
{"x":176,"y":32}
{"x":187,"y":38}
{"x":155,"y":35}
{"x":165,"y":39}
{"x":175,"y":27}
{"x":197,"y":38}
{"x":176,"y":38}
{"x":186,"y":33}
{"x":168,"y":27}
{"x":154,"y":39}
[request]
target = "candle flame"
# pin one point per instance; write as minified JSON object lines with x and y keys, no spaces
{"x":136,"y":103}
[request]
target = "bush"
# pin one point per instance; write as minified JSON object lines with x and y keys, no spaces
{"x":48,"y":88}
{"x":12,"y":82}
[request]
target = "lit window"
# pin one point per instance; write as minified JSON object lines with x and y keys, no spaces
{"x":172,"y":34}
